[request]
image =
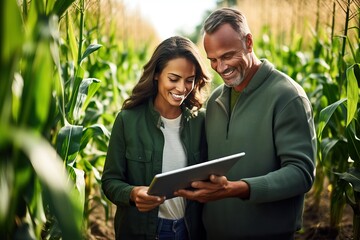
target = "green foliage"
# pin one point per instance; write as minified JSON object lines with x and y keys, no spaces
{"x":58,"y":101}
{"x":329,"y":73}
{"x":63,"y":83}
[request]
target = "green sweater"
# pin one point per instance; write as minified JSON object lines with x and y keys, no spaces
{"x":272,"y":123}
{"x":134,"y":157}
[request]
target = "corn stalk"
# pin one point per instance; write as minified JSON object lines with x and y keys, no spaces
{"x":42,"y":175}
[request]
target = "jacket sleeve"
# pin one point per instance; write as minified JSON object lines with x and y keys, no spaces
{"x":203,"y":143}
{"x":295,"y":143}
{"x":113,"y":179}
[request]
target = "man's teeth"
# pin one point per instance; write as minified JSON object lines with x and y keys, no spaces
{"x":228,"y":72}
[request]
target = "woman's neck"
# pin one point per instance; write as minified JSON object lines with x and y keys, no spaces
{"x":169,"y":112}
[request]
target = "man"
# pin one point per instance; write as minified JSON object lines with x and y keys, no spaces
{"x":264,"y":113}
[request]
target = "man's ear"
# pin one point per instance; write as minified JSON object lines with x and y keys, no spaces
{"x":249,"y":42}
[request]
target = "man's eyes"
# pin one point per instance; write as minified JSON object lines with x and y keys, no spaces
{"x":225,"y":57}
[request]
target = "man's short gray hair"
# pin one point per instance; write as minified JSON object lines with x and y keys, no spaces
{"x":221,"y":16}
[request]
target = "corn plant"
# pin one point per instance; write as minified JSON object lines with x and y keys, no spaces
{"x":329,"y":73}
{"x":344,"y":148}
{"x":44,"y":125}
{"x":35,"y":189}
{"x":338,"y":132}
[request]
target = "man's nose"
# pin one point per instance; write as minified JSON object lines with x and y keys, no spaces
{"x":221,"y":66}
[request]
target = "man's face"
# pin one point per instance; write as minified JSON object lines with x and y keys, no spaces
{"x":229,"y":54}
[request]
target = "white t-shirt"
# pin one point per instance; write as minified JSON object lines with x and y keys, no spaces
{"x":174,"y":157}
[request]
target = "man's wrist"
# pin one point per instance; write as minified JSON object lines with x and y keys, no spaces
{"x":240,"y":189}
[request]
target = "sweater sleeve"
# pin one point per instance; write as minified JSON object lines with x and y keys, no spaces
{"x":295,"y":143}
{"x":113,"y":179}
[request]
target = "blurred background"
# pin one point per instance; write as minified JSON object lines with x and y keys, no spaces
{"x":67,"y":66}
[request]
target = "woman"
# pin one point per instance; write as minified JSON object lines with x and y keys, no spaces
{"x":160,"y":128}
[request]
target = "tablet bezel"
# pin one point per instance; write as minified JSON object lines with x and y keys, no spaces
{"x":165,"y":184}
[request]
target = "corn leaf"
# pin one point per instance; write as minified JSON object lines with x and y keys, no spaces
{"x":42,"y":75}
{"x":88,"y":88}
{"x":68,"y":142}
{"x":352,"y":94}
{"x":326,"y":114}
{"x":74,"y":95}
{"x":7,"y":187}
{"x":90,"y":49}
{"x":353,"y":142}
{"x":61,"y":6}
{"x":78,"y":177}
{"x":72,"y":40}
{"x":327,"y":146}
{"x":93,"y":131}
{"x":50,"y":5}
{"x":11,"y":40}
{"x":11,"y":30}
{"x":36,"y":207}
{"x":48,"y":167}
{"x":352,"y":176}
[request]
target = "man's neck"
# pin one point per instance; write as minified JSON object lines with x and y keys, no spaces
{"x":253,"y":70}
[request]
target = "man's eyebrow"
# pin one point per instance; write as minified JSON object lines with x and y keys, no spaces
{"x":232,"y":52}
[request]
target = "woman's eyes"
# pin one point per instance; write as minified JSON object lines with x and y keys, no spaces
{"x":177,"y":79}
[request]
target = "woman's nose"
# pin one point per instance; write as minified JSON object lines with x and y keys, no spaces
{"x":181,"y":86}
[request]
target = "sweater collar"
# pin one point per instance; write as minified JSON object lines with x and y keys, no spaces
{"x":257,"y":80}
{"x":260,"y":76}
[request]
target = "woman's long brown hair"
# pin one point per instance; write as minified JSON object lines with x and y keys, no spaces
{"x":169,"y":49}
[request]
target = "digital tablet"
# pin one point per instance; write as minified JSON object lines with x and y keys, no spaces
{"x":165,"y":184}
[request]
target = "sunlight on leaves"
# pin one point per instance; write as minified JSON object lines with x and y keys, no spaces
{"x":352,"y":94}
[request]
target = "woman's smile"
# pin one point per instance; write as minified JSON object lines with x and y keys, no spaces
{"x":178,"y":97}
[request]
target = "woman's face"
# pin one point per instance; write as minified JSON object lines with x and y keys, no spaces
{"x":175,"y":83}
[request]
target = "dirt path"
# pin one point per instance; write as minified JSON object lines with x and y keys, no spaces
{"x":316,"y":222}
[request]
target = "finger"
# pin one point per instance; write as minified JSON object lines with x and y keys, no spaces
{"x":148,"y":205}
{"x":200,"y":184}
{"x":150,"y":200}
{"x":222,"y":180}
{"x":205,"y":185}
{"x":184,"y":193}
{"x":154,"y":199}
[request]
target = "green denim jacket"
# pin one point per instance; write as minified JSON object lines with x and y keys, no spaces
{"x":134,"y":157}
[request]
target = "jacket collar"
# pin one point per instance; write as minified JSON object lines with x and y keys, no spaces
{"x":156,"y":118}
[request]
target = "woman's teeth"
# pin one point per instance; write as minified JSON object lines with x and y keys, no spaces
{"x":177,"y":96}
